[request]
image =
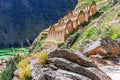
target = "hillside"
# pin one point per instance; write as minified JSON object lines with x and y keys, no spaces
{"x":85,"y":31}
{"x":24,"y":19}
{"x":105,"y":25}
{"x":82,"y":45}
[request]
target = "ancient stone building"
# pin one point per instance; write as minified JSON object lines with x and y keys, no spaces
{"x":70,"y":13}
{"x":51,"y":28}
{"x":75,"y":25}
{"x":93,"y":9}
{"x":60,"y":31}
{"x":86,"y":11}
{"x":81,"y":18}
{"x":62,"y":21}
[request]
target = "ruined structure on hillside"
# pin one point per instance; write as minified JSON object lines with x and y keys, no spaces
{"x":70,"y":22}
{"x":59,"y":32}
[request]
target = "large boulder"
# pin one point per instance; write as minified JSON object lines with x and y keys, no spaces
{"x":71,"y":55}
{"x":49,"y":74}
{"x":104,"y":47}
{"x":91,"y":72}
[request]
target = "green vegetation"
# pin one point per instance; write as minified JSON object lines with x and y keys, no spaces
{"x":40,"y":42}
{"x":24,"y":64}
{"x":11,"y":64}
{"x":25,"y":73}
{"x":85,"y":36}
{"x":5,"y":53}
{"x":41,"y":57}
{"x":82,"y":3}
{"x":106,"y":28}
{"x":7,"y":73}
{"x":37,"y":46}
{"x":89,"y":33}
{"x":105,"y":8}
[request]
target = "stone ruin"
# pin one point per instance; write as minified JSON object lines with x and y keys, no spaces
{"x":68,"y":24}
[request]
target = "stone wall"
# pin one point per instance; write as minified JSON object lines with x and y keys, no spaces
{"x":75,"y":25}
{"x":51,"y":28}
{"x":93,"y":9}
{"x":87,"y":13}
{"x":69,"y":27}
{"x":81,"y":18}
{"x":57,"y":36}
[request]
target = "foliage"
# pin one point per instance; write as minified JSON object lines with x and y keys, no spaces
{"x":105,"y":28}
{"x":82,"y":3}
{"x":39,"y":43}
{"x":41,"y":57}
{"x":8,"y":72}
{"x":23,"y":63}
{"x":25,"y":73}
{"x":105,"y":8}
{"x":9,"y":52}
{"x":89,"y":33}
{"x":72,"y":39}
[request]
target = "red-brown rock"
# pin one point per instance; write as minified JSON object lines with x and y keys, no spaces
{"x":105,"y":47}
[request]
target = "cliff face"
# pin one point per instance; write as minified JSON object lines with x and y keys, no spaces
{"x":24,"y":19}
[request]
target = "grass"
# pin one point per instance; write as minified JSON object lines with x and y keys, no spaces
{"x":25,"y":67}
{"x":82,"y":3}
{"x":24,"y":64}
{"x":105,"y":29}
{"x":25,"y":73}
{"x":105,"y":8}
{"x":42,"y":57}
{"x":39,"y":43}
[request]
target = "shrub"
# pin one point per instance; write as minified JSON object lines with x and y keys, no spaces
{"x":23,"y":63}
{"x":25,"y":73}
{"x":8,"y":72}
{"x":42,"y":57}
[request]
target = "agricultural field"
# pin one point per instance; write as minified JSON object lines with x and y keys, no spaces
{"x":9,"y":52}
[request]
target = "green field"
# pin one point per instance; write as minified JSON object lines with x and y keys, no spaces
{"x":6,"y":53}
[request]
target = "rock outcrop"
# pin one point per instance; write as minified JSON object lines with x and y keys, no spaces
{"x":67,"y":65}
{"x":104,"y":47}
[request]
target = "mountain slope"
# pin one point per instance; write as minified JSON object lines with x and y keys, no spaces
{"x":24,"y":19}
{"x":100,"y":25}
{"x":107,"y":25}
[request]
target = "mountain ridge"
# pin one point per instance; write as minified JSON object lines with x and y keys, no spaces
{"x":24,"y":19}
